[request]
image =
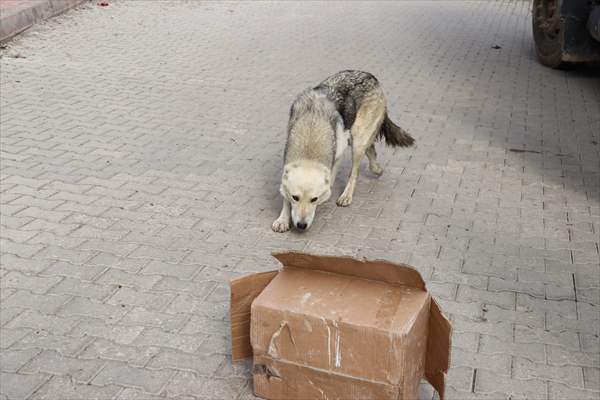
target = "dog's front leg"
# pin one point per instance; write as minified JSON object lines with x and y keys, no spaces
{"x":282,"y":224}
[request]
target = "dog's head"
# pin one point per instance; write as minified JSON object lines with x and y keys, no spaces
{"x":305,"y":184}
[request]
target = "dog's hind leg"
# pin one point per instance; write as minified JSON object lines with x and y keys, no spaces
{"x":358,"y":151}
{"x":282,"y":223}
{"x":373,"y":164}
{"x":369,"y":118}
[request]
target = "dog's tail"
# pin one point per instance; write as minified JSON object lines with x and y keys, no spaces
{"x":394,"y":135}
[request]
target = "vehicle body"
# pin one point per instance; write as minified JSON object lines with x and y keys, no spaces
{"x":566,"y":31}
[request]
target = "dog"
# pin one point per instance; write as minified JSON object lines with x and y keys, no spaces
{"x":348,"y":108}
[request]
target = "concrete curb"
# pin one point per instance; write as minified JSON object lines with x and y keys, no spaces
{"x":17,"y":16}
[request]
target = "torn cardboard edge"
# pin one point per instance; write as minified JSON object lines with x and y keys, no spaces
{"x":246,"y":288}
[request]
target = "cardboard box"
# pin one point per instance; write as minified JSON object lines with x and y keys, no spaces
{"x":339,"y":328}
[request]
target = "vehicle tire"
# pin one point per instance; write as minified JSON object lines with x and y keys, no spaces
{"x":546,"y":33}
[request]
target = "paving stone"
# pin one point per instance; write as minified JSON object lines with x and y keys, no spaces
{"x":204,"y":365}
{"x":470,"y":310}
{"x":18,"y":386}
{"x":166,"y":322}
{"x":21,"y":235}
{"x":90,"y":232}
{"x":107,"y":350}
{"x":122,"y":263}
{"x":82,"y":306}
{"x":34,"y":320}
{"x":10,"y":313}
{"x":156,"y":337}
{"x":60,"y":387}
{"x":79,"y":272}
{"x":147,"y":300}
{"x":19,"y":249}
{"x":216,"y":344}
{"x":240,"y":368}
{"x":555,"y":322}
{"x":78,"y":198}
{"x":530,"y":351}
{"x":148,"y":252}
{"x":192,"y":305}
{"x":45,"y":304}
{"x":569,"y":375}
{"x":116,"y":333}
{"x":41,"y":339}
{"x":197,"y":289}
{"x":186,"y":383}
{"x":135,"y":394}
{"x":180,"y":271}
{"x":205,"y":326}
{"x":58,"y":253}
{"x":534,"y":289}
{"x":488,"y":382}
{"x":75,"y":287}
{"x":452,"y":393}
{"x":13,"y":360}
{"x":527,"y":318}
{"x":591,"y":378}
{"x":53,"y":363}
{"x":37,"y":202}
{"x":461,"y":378}
{"x":590,"y":343}
{"x":60,"y":229}
{"x":13,"y":222}
{"x":87,"y":209}
{"x":24,"y":265}
{"x":10,"y":336}
{"x":148,"y":380}
{"x":558,"y":355}
{"x":39,"y":285}
{"x":107,"y":246}
{"x":501,"y":299}
{"x":499,"y":363}
{"x":558,"y":391}
{"x":52,"y":239}
{"x":468,"y":341}
{"x":567,"y":339}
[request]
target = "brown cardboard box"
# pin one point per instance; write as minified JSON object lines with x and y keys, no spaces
{"x":339,"y":328}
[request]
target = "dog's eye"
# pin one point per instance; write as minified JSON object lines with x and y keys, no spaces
{"x":313,"y":199}
{"x":296,"y":198}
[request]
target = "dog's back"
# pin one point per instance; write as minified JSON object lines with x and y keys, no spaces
{"x":349,"y":90}
{"x":311,"y":129}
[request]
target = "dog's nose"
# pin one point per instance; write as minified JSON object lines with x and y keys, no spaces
{"x":301,"y":225}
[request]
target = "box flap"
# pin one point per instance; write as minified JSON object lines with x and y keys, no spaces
{"x":243,"y":291}
{"x":378,"y":270}
{"x":438,"y":349}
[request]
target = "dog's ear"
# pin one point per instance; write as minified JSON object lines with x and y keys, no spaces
{"x":287,"y":169}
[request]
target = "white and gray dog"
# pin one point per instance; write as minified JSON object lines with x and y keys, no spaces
{"x":346,"y":108}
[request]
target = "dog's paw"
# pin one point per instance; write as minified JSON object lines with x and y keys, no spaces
{"x":280,"y":226}
{"x":376,"y":169}
{"x":344,"y":200}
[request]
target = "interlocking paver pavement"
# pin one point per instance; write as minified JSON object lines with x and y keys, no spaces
{"x":141,"y":150}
